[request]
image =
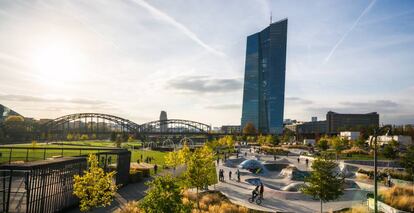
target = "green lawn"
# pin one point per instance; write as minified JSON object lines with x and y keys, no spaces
{"x":39,"y":154}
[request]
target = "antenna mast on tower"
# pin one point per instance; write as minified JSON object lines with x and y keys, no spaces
{"x":270,"y":17}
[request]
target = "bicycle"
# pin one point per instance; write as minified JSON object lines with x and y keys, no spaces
{"x":258,"y":200}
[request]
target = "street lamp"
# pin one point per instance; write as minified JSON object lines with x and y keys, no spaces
{"x":377,"y":131}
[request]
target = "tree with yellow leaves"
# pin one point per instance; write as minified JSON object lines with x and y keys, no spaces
{"x":95,"y":188}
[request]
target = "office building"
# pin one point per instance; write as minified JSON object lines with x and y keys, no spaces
{"x":231,"y":129}
{"x":264,"y":80}
{"x":163,"y":123}
{"x":337,"y":122}
{"x":348,"y":135}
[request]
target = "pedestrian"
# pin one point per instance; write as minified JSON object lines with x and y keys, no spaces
{"x":298,"y":160}
{"x":230,"y":175}
{"x":245,"y":154}
{"x":238,"y":175}
{"x":155,"y":169}
{"x":274,"y":157}
{"x":261,"y":190}
{"x":307,"y":162}
{"x":389,"y":180}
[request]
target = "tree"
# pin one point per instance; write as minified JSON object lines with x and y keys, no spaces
{"x":322,"y":144}
{"x":261,"y":140}
{"x":360,"y":143}
{"x":338,"y":145}
{"x":323,"y":183}
{"x":164,"y":195}
{"x":172,"y":159}
{"x":95,"y":188}
{"x":184,"y":154}
{"x":407,"y":160}
{"x":15,"y":128}
{"x":69,"y":137}
{"x":113,"y":136}
{"x":389,"y":151}
{"x":275,"y":140}
{"x":84,"y":137}
{"x":287,"y":135}
{"x":201,"y":170}
{"x":249,"y":129}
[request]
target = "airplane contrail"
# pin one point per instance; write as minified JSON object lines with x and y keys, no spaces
{"x":367,"y":9}
{"x":165,"y":17}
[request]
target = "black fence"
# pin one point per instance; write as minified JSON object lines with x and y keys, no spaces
{"x":41,"y":186}
{"x":47,"y":185}
{"x":15,"y":154}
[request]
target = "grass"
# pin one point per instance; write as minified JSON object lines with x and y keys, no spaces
{"x":213,"y":201}
{"x":399,"y":197}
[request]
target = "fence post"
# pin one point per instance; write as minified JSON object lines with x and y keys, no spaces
{"x":44,"y":153}
{"x":10,"y":155}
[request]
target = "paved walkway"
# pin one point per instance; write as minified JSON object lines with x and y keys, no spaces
{"x":277,"y":200}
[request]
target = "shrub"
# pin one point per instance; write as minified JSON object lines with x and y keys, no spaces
{"x":355,"y":150}
{"x":130,"y":207}
{"x":358,"y":209}
{"x":402,"y":175}
{"x":273,"y":150}
{"x":400,"y":197}
{"x":84,"y":137}
{"x":296,"y":147}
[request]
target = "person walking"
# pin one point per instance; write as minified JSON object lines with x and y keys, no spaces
{"x":261,"y":190}
{"x":238,"y":175}
{"x":307,"y":162}
{"x":298,"y":160}
{"x":389,"y":180}
{"x":230,"y":175}
{"x":155,"y":168}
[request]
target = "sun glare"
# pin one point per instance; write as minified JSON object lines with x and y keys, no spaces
{"x":58,"y":64}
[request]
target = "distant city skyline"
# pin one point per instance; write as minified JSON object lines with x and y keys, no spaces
{"x":135,"y":58}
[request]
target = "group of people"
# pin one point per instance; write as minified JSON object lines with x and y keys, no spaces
{"x":306,"y":161}
{"x":221,"y":175}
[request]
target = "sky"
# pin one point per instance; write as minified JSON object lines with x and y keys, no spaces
{"x":134,"y":58}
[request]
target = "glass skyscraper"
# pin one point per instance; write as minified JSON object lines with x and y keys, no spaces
{"x":264,"y":79}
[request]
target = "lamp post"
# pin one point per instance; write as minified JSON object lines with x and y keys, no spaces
{"x":377,"y":131}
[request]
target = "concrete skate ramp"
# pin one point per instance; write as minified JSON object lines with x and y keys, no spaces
{"x":292,"y":173}
{"x":275,"y":167}
{"x":293,"y":187}
{"x":233,"y":163}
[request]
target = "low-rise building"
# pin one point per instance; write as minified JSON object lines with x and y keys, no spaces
{"x":309,"y":142}
{"x":402,"y":140}
{"x":231,"y":129}
{"x":348,"y":135}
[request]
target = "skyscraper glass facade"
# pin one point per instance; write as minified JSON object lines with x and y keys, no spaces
{"x":264,"y":80}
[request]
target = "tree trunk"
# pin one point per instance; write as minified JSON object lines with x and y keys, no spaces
{"x":321,"y":206}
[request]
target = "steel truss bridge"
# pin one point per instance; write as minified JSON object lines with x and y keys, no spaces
{"x":98,"y":123}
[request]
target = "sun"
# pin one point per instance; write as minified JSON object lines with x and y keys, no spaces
{"x":58,"y":63}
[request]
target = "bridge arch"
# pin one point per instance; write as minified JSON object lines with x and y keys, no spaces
{"x":174,"y":126}
{"x":95,"y":121}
